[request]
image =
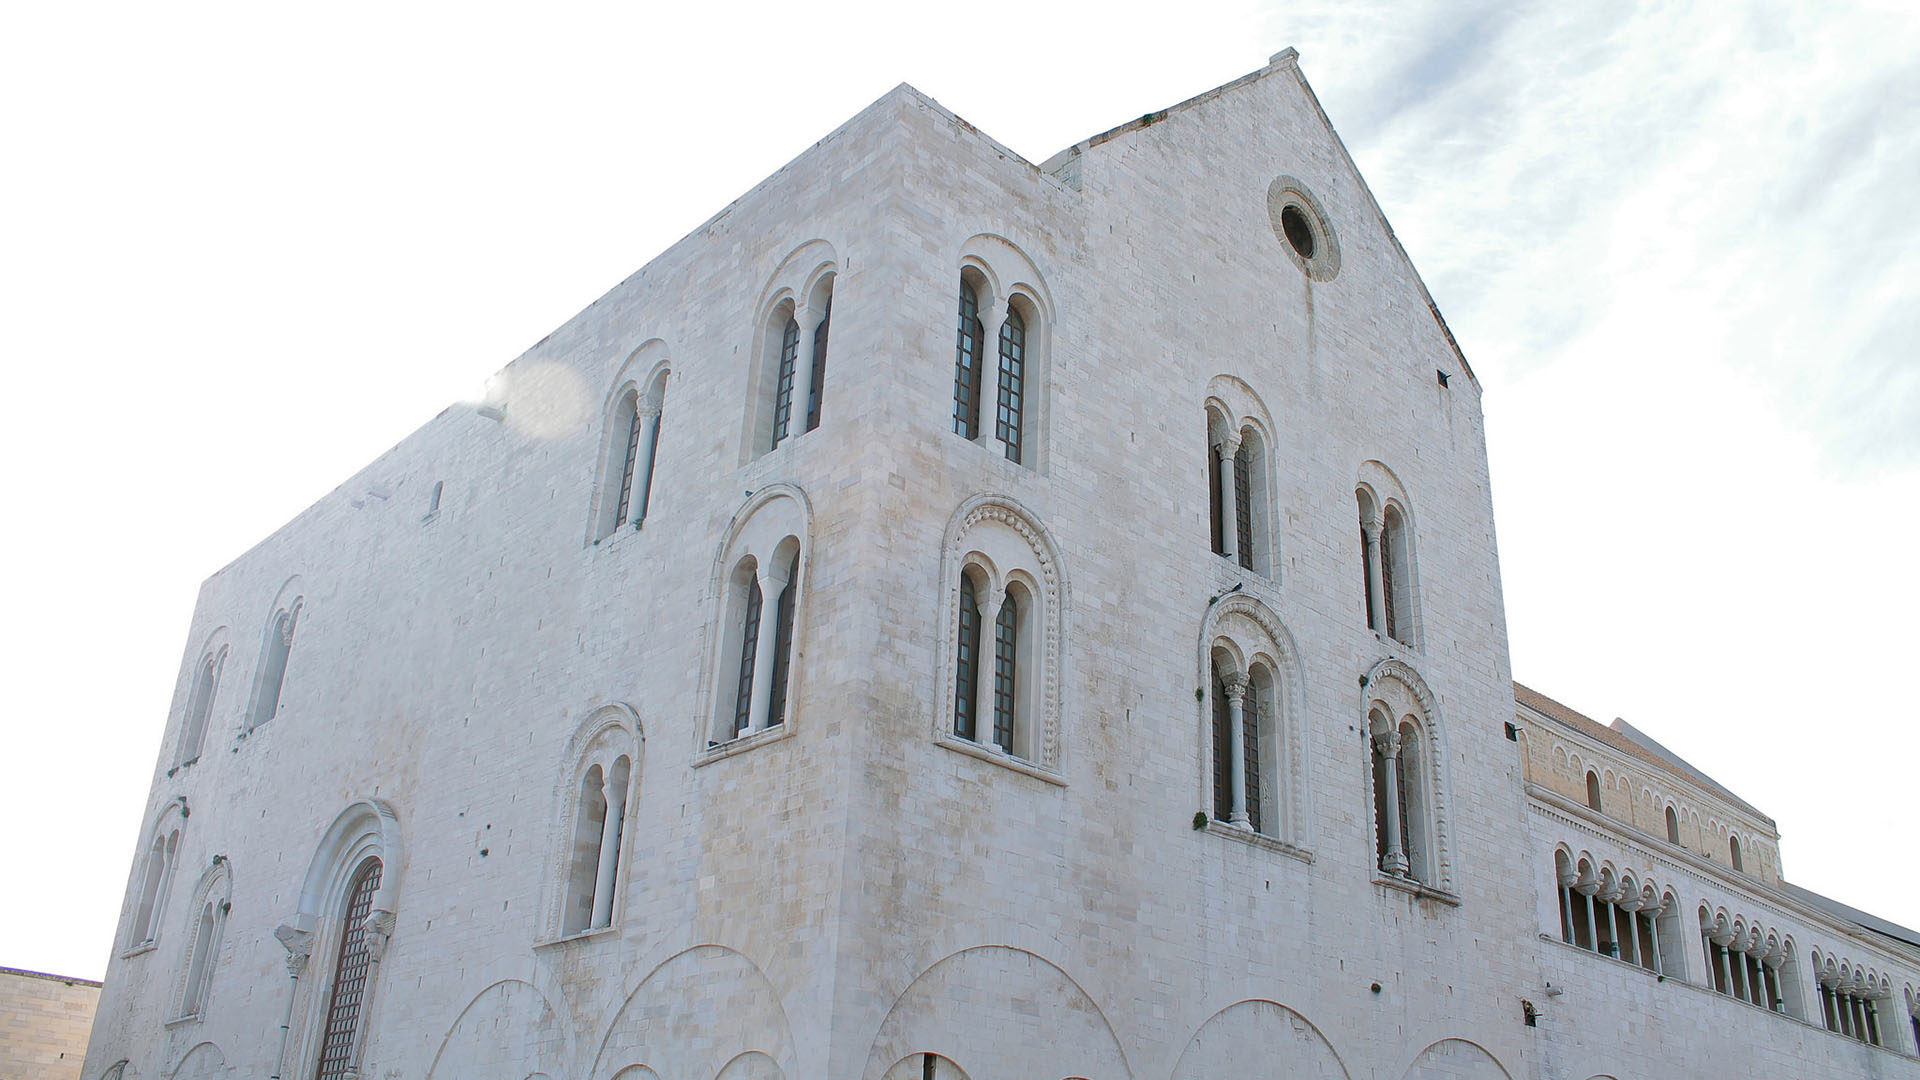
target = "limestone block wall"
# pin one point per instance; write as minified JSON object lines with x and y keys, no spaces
{"x":1091,"y":886}
{"x":44,"y":1021}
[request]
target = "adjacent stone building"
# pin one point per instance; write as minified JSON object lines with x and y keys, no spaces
{"x":44,"y":1020}
{"x":954,"y":617}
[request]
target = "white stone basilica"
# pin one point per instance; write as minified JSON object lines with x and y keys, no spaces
{"x":950,"y":617}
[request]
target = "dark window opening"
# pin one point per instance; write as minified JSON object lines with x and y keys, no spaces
{"x":1293,"y":221}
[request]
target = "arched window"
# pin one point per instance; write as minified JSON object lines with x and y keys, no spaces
{"x":274,"y":652}
{"x":795,"y":341}
{"x":761,"y":588}
{"x":600,"y":816}
{"x":969,"y":370}
{"x":1008,"y":421}
{"x":626,"y":433}
{"x":156,"y":875}
{"x":1386,"y":551}
{"x":211,"y":901}
{"x":1409,"y":808}
{"x":999,"y":401}
{"x":1237,"y":492}
{"x":1673,"y":826}
{"x":206,"y":684}
{"x":993,"y":663}
{"x":1593,"y":790}
{"x":433,"y":497}
{"x":1003,"y":587}
{"x":1245,"y":745}
{"x":352,"y":964}
{"x":1733,"y":853}
{"x":630,"y":443}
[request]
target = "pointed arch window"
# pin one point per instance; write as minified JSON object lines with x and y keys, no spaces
{"x":352,"y":964}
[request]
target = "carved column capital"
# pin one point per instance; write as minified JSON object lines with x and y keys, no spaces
{"x":299,"y":945}
{"x":1236,"y":687}
{"x":379,"y":929}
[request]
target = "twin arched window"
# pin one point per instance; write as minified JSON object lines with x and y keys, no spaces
{"x":796,"y":341}
{"x":156,"y":875}
{"x":1237,"y":497}
{"x":993,"y":694}
{"x":1404,"y":777}
{"x":206,"y":683}
{"x":759,"y":582}
{"x":273,"y":664}
{"x":594,"y":869}
{"x":1386,"y":551}
{"x":1245,"y":744}
{"x":633,"y":441}
{"x":212,"y":900}
{"x":1002,"y":580}
{"x":1005,"y":390}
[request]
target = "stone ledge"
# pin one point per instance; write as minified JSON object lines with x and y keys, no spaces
{"x":1414,"y":888}
{"x":1004,"y":760}
{"x":744,"y":743}
{"x":1216,"y":827}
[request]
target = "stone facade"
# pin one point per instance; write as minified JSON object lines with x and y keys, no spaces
{"x":44,"y":1020}
{"x":641,"y":684}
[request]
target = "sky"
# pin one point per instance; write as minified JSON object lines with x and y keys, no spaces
{"x":245,"y":248}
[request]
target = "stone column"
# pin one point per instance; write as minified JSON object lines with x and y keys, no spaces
{"x":1772,"y":962}
{"x":1653,"y":936}
{"x":772,"y":580}
{"x":1630,"y":944}
{"x":1586,"y":889}
{"x":643,"y":467}
{"x":1376,"y":578}
{"x":603,"y":877}
{"x":1388,"y":743}
{"x":1226,"y":450}
{"x":1566,"y":904}
{"x":1236,"y":685}
{"x":808,"y":319}
{"x":985,"y":662}
{"x":994,"y":320}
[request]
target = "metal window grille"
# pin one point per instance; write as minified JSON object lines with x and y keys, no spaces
{"x":626,"y":467}
{"x":349,"y":976}
{"x":749,"y":644}
{"x":1366,"y":576}
{"x":1243,"y":503}
{"x":1380,"y":781}
{"x":1222,"y":751}
{"x":967,"y":665}
{"x":1386,"y":582}
{"x":818,"y":391}
{"x":1250,"y":733}
{"x":783,"y":645}
{"x":1005,"y":649}
{"x":1406,"y":786}
{"x":966,"y":367}
{"x":1013,"y":364}
{"x":783,"y":382}
{"x":1213,"y":502}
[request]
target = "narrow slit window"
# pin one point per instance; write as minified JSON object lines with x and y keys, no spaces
{"x":1243,"y":465}
{"x":783,"y":644}
{"x":817,"y":388}
{"x":749,"y":643}
{"x":1222,"y":750}
{"x":627,"y":466}
{"x":967,"y":689}
{"x":783,"y":383}
{"x":1013,"y":362}
{"x":1250,"y":733}
{"x":966,"y":366}
{"x":1005,"y":661}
